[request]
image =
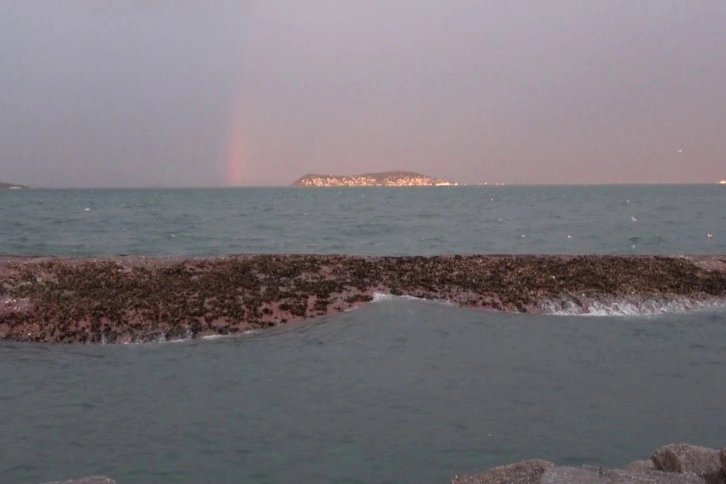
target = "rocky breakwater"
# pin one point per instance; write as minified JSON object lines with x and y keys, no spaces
{"x":671,"y":464}
{"x":140,"y":299}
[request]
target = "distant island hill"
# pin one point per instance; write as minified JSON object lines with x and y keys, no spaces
{"x":11,"y":186}
{"x":382,"y":179}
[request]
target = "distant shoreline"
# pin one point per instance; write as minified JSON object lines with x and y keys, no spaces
{"x":384,"y":179}
{"x":470,"y":185}
{"x":12,"y":186}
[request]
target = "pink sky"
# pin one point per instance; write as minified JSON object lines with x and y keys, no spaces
{"x":258,"y":93}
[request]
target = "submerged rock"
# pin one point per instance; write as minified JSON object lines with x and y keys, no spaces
{"x":85,"y":480}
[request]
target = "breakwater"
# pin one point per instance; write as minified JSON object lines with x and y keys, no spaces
{"x":141,"y":299}
{"x":674,"y":463}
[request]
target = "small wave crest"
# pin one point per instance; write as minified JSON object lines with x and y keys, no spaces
{"x":248,"y":332}
{"x":382,"y":297}
{"x":217,"y":336}
{"x":625,"y":307}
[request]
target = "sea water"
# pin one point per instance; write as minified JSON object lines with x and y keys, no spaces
{"x":398,"y":391}
{"x":663,"y":219}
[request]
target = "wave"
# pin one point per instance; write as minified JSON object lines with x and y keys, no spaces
{"x":596,"y":307}
{"x":627,"y":307}
{"x":218,"y":336}
{"x":382,"y":297}
{"x":248,"y":332}
{"x":163,"y":338}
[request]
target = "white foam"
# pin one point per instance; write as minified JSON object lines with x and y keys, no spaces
{"x":623,"y":307}
{"x":379,"y":297}
{"x":382,"y":297}
{"x":231,"y":335}
{"x":217,"y":336}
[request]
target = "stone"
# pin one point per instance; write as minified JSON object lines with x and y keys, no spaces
{"x":85,"y":480}
{"x":640,"y":466}
{"x":687,"y":458}
{"x":600,"y":475}
{"x":524,"y":472}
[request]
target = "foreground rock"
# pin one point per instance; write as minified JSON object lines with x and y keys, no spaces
{"x":124,"y":299}
{"x":518,"y":473}
{"x":671,"y":464}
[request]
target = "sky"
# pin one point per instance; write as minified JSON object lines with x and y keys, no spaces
{"x":156,"y":93}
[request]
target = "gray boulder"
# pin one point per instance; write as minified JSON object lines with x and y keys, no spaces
{"x":524,"y":472}
{"x":683,"y":458}
{"x":600,"y":475}
{"x":640,"y":466}
{"x":671,"y":464}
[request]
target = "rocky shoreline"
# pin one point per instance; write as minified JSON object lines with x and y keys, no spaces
{"x":671,"y":464}
{"x":142,"y":299}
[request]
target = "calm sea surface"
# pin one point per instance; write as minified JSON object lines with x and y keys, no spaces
{"x":402,"y":221}
{"x":398,"y":391}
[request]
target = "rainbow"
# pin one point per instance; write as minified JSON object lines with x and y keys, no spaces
{"x":236,"y":143}
{"x":234,"y":170}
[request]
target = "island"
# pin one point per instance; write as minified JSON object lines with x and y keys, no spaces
{"x":382,"y":179}
{"x":11,"y":186}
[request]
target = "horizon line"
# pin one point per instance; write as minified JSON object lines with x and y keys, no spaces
{"x":290,"y":185}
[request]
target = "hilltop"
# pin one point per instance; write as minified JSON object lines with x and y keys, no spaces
{"x":11,"y":185}
{"x":385,"y":179}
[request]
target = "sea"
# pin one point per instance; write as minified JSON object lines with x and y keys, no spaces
{"x":397,"y":391}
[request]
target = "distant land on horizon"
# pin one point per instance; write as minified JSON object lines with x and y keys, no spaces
{"x":11,"y":185}
{"x":380,"y":179}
